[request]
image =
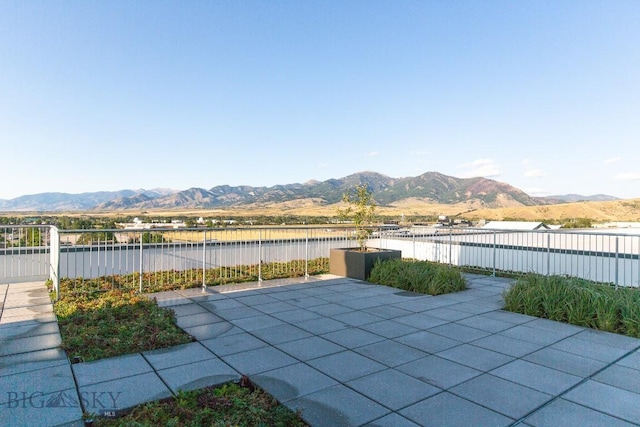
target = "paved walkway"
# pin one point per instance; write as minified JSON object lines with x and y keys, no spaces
{"x":343,"y":352}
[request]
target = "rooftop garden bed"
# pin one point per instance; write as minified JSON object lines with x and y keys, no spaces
{"x":578,"y":302}
{"x":418,"y":276}
{"x":228,"y":405}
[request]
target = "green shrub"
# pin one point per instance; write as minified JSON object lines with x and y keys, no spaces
{"x":577,"y":301}
{"x":418,"y":276}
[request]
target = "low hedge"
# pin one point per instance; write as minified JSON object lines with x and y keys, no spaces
{"x":418,"y":276}
{"x":578,"y":302}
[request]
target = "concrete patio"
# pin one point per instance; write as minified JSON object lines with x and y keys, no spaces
{"x":343,"y":352}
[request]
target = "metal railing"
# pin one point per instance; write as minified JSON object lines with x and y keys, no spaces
{"x":25,"y":252}
{"x":151,"y":258}
{"x":596,"y":256}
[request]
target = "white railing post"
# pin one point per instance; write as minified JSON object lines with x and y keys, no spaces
{"x":413,"y":237}
{"x":548,"y":254}
{"x":617,"y":252}
{"x":306,"y":255}
{"x":493,"y":273}
{"x":260,"y":255}
{"x":54,"y":259}
{"x":204,"y":261}
{"x":140,"y":281}
{"x":450,"y":243}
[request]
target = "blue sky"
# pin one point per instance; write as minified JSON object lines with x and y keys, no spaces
{"x":108,"y":95}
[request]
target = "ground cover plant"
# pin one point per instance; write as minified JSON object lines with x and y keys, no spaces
{"x":167,"y":280}
{"x":228,"y":405}
{"x":100,"y":324}
{"x":577,"y":301}
{"x":418,"y":276}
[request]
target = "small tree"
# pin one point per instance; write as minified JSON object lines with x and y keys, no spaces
{"x":360,"y":211}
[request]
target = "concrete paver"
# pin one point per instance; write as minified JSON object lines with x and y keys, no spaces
{"x":428,"y":341}
{"x":439,"y":372}
{"x":392,"y":420}
{"x":459,"y":332}
{"x":346,"y":365}
{"x":257,"y":322}
{"x":352,"y":337}
{"x":120,"y":394}
{"x":178,"y":355}
{"x":37,"y":386}
{"x":621,"y":377}
{"x":565,"y":362}
{"x":24,"y":384}
{"x":389,"y":328}
{"x":293,"y":381}
{"x":61,"y":408}
{"x":310,"y":348}
{"x":475,"y":357}
{"x":506,"y":345}
{"x":631,"y":361}
{"x":537,"y":377}
{"x":281,"y":334}
{"x":213,"y":330}
{"x":562,"y":412}
{"x":611,"y":400}
{"x":343,"y":352}
{"x":497,"y":394}
{"x":593,"y":350}
{"x":192,"y":376}
{"x":231,"y":344}
{"x":449,"y":410}
{"x":393,"y":389}
{"x":337,"y":406}
{"x":390,"y":353}
{"x":110,"y":369}
{"x":259,"y":360}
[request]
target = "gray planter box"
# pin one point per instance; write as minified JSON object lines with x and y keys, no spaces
{"x":350,"y":262}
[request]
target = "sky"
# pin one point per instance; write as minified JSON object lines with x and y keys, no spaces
{"x":110,"y":95}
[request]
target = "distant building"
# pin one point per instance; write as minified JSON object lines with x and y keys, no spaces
{"x":445,"y":221}
{"x":618,"y":224}
{"x":516,"y":225}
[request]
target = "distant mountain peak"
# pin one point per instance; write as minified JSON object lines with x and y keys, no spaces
{"x":431,"y":187}
{"x":571,"y":198}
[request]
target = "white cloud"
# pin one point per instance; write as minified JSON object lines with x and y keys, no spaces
{"x":536,"y":173}
{"x":480,"y":167}
{"x":373,"y":154}
{"x":630,"y":176}
{"x":420,"y":152}
{"x":322,"y":165}
{"x":532,"y":172}
{"x":612,"y":160}
{"x":536,"y":192}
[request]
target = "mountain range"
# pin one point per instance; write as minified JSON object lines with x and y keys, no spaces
{"x":431,"y":187}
